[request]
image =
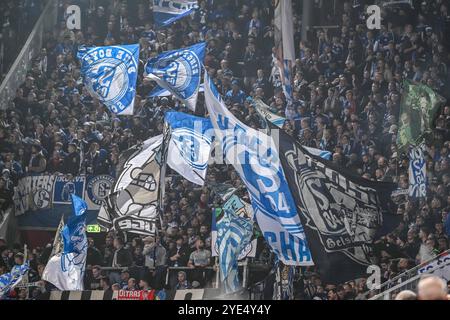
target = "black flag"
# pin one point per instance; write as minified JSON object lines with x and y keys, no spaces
{"x":340,"y":212}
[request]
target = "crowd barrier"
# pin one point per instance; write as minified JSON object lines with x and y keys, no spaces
{"x":135,"y":271}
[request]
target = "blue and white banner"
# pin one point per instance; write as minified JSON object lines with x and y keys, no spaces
{"x":190,"y":145}
{"x":234,"y":235}
{"x":9,"y":280}
{"x":241,"y":209}
{"x":66,"y":270}
{"x":417,"y":173}
{"x":110,"y":75}
{"x":264,"y":112}
{"x":178,"y":71}
{"x":254,"y":156}
{"x":166,"y":12}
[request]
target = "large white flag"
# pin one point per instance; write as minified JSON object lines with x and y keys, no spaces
{"x":254,"y":156}
{"x":65,"y":270}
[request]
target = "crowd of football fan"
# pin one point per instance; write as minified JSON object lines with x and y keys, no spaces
{"x":17,"y":18}
{"x":347,"y":91}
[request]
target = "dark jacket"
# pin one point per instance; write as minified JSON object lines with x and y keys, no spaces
{"x":182,"y":260}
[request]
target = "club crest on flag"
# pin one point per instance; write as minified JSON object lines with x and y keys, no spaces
{"x":110,"y":75}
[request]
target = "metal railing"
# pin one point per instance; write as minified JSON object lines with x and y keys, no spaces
{"x":404,"y":277}
{"x":18,"y":71}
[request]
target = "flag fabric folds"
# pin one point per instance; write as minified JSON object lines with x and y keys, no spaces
{"x":284,"y":44}
{"x":263,"y":110}
{"x":341,"y":213}
{"x":190,"y":145}
{"x":178,"y":71}
{"x":417,"y":173}
{"x":233,"y":240}
{"x":165,"y":12}
{"x":418,"y":109}
{"x":255,"y":158}
{"x":110,"y":74}
{"x":66,"y":269}
{"x":135,"y":202}
{"x":9,"y":280}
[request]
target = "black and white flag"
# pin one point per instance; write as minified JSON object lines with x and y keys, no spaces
{"x":341,"y":213}
{"x":134,"y":203}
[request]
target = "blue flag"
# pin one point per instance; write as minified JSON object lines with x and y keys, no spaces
{"x":66,"y":270}
{"x":166,"y":12}
{"x":254,"y":156}
{"x":9,"y":280}
{"x":190,"y":145}
{"x":110,"y":75}
{"x":178,"y":71}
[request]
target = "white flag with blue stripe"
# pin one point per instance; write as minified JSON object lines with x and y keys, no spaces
{"x":254,"y":156}
{"x":66,"y":270}
{"x":9,"y":280}
{"x":166,"y":12}
{"x":110,"y":75}
{"x":178,"y":71}
{"x":190,"y":145}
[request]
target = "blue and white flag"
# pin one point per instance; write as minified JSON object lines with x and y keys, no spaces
{"x":65,"y":270}
{"x":9,"y":280}
{"x":417,"y":173}
{"x":190,"y":145}
{"x":264,"y":112}
{"x":254,"y":156}
{"x":110,"y":75}
{"x":234,"y":235}
{"x":178,"y":71}
{"x":166,"y":12}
